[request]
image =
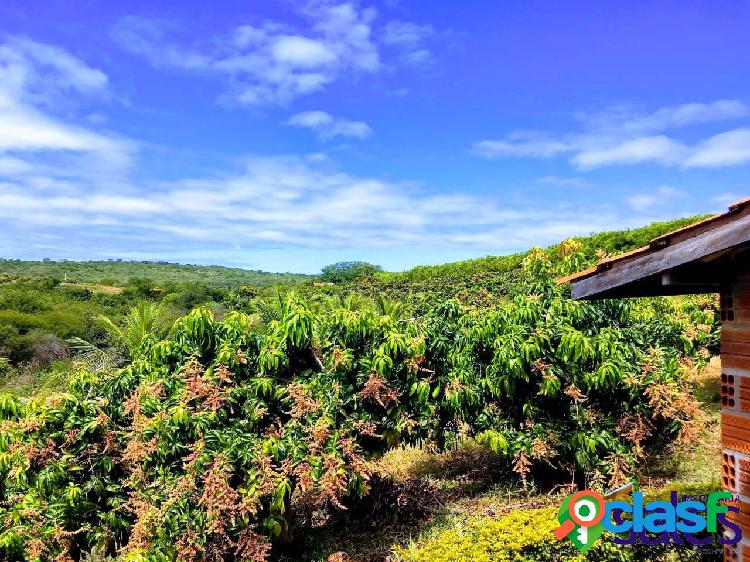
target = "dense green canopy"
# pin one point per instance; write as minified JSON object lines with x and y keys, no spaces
{"x":222,"y":436}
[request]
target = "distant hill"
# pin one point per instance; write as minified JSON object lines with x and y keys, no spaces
{"x":43,"y":304}
{"x":482,"y":281}
{"x":611,"y":242}
{"x":118,"y":273}
{"x":491,"y":272}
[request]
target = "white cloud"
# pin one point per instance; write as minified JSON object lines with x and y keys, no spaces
{"x":409,"y":39}
{"x":10,"y":166}
{"x":348,"y":29}
{"x":274,"y":63}
{"x":562,"y":182}
{"x":22,"y":128}
{"x":662,"y":196}
{"x":271,"y":63}
{"x":525,"y":144}
{"x":622,"y":137}
{"x":37,"y":75}
{"x":624,"y":119}
{"x":406,"y":33}
{"x":301,"y":52}
{"x":277,"y":202}
{"x":311,"y":119}
{"x":417,"y":57}
{"x":658,"y":149}
{"x":31,"y":66}
{"x":725,"y":149}
{"x":328,"y":126}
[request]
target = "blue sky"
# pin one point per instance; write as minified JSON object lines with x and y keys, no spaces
{"x":287,"y":135}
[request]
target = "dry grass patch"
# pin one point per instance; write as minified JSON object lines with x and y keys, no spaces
{"x":468,"y":467}
{"x":95,"y":288}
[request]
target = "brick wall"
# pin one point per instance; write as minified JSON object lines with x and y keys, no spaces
{"x":735,"y":406}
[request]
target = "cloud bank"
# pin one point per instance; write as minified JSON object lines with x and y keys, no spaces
{"x":274,"y":62}
{"x":623,"y":137}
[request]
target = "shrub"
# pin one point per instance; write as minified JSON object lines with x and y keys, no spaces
{"x":6,"y":369}
{"x":187,"y":296}
{"x":23,"y":299}
{"x":527,"y":535}
{"x":207,"y":443}
{"x":47,"y":348}
{"x":141,"y":287}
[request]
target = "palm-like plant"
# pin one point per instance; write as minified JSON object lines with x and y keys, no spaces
{"x":144,"y":320}
{"x":89,"y":356}
{"x":351,"y":302}
{"x":387,"y":307}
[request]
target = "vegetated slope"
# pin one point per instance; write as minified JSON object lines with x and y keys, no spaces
{"x":484,"y":281}
{"x":611,"y":242}
{"x":39,"y":315}
{"x":222,"y":437}
{"x":118,"y":273}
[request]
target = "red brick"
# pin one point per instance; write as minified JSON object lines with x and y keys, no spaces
{"x":735,"y":347}
{"x":735,"y":333}
{"x":741,"y":434}
{"x":730,"y":361}
{"x":741,"y":518}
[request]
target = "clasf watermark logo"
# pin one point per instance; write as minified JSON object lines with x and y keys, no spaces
{"x":694,"y":520}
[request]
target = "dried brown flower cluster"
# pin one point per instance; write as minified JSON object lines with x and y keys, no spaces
{"x":635,"y":429}
{"x":673,"y":402}
{"x":202,"y":392}
{"x":376,"y":389}
{"x":302,"y":403}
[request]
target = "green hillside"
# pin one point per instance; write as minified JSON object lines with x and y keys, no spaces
{"x":610,"y":242}
{"x":43,"y":305}
{"x":119,"y":273}
{"x":483,"y":281}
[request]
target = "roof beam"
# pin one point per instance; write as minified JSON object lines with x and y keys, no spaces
{"x":719,"y":239}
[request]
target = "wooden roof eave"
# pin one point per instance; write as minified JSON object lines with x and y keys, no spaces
{"x":736,"y":210}
{"x":613,"y":277}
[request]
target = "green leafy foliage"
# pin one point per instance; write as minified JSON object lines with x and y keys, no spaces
{"x":610,"y":243}
{"x":345,"y":271}
{"x":485,"y":282}
{"x":144,"y":321}
{"x":223,"y":436}
{"x":40,"y":317}
{"x":527,"y":535}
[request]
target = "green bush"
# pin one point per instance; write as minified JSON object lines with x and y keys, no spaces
{"x":186,"y":297}
{"x":208,"y":442}
{"x":526,"y":534}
